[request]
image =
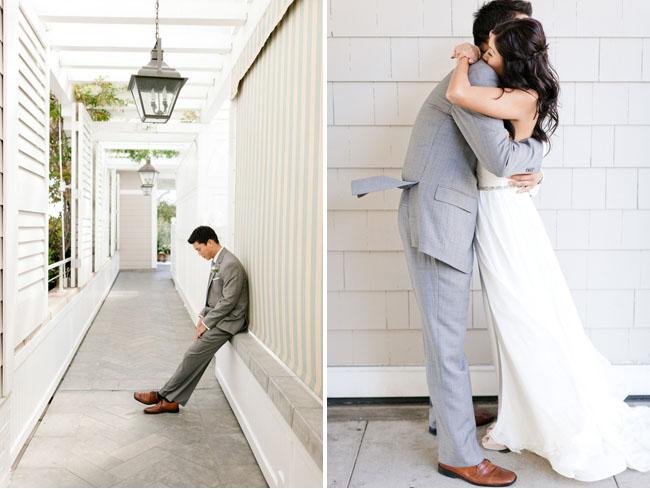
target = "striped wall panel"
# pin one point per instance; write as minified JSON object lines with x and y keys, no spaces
{"x":278,"y":226}
{"x":83,"y":151}
{"x":2,"y":225}
{"x":31,"y":156}
{"x":270,"y":19}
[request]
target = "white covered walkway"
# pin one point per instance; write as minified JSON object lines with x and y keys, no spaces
{"x":94,"y":434}
{"x":71,"y":357}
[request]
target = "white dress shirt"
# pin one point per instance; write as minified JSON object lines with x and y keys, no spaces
{"x":212,"y":263}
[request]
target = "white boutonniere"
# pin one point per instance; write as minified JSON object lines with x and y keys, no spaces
{"x":215,"y":270}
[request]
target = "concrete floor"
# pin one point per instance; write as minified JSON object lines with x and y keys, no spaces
{"x":94,"y":434}
{"x":390,"y":446}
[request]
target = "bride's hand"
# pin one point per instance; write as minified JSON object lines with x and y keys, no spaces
{"x":467,"y":50}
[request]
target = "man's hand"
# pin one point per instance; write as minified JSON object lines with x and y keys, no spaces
{"x":467,"y":50}
{"x":200,"y":329}
{"x":525,"y":181}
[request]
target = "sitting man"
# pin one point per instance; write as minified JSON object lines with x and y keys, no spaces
{"x":224,"y":315}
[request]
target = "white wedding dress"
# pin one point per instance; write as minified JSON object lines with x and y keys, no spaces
{"x":560,"y":397}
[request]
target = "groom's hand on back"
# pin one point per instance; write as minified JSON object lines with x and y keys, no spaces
{"x":525,"y":181}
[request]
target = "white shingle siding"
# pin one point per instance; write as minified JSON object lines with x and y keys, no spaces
{"x":384,"y":57}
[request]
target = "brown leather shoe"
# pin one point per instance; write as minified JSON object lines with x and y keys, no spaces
{"x":481,"y":417}
{"x":162,"y":407}
{"x":147,"y":397}
{"x":484,"y":474}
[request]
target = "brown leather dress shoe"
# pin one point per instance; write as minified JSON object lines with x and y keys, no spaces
{"x":484,"y":474}
{"x":162,"y":407}
{"x":147,"y":397}
{"x":481,"y":417}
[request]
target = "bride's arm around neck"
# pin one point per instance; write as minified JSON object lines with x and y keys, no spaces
{"x":491,"y":101}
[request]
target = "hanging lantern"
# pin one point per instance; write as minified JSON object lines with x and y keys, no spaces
{"x":156,"y":86}
{"x":148,"y":174}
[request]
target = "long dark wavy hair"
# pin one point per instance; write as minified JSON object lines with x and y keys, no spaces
{"x":522,"y":44}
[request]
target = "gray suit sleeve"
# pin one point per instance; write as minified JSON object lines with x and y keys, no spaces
{"x":233,"y":281}
{"x":489,"y":139}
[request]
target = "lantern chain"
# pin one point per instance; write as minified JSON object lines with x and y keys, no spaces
{"x":157,"y":36}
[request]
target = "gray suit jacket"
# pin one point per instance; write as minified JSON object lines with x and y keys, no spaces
{"x":226,"y":300}
{"x":439,"y":173}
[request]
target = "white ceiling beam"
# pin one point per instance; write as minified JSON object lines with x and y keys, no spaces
{"x":144,"y":145}
{"x":126,"y":137}
{"x":189,"y":85}
{"x":124,"y":75}
{"x":137,"y":67}
{"x":140,"y":49}
{"x":192,"y":61}
{"x":234,"y":20}
{"x":169,"y":128}
{"x":131,"y":111}
{"x":138,"y":8}
{"x":138,"y":36}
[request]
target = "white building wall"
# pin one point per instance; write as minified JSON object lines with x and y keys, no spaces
{"x":384,"y":57}
{"x":136,"y":226}
{"x":202,"y":199}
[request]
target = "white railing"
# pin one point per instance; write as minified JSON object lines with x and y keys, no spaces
{"x":61,"y":275}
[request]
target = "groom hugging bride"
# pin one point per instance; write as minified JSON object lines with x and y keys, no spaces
{"x":475,"y":152}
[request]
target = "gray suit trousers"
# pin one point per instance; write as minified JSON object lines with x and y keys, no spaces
{"x":442,"y":293}
{"x":180,"y":386}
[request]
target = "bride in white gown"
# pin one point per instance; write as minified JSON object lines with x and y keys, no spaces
{"x":560,"y":397}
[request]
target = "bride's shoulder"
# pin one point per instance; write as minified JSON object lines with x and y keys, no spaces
{"x":524,"y":97}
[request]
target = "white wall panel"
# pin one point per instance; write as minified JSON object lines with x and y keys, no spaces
{"x":383,"y":59}
{"x":41,"y":363}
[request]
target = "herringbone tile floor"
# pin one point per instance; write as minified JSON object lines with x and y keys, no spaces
{"x":94,"y":433}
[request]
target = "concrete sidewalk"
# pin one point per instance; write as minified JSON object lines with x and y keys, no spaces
{"x":390,"y":446}
{"x":95,"y":434}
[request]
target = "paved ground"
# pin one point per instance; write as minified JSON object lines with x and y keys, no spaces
{"x":95,"y":434}
{"x":390,"y":446}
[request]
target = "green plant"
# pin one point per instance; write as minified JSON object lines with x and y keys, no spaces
{"x":99,"y":97}
{"x":140,"y":155}
{"x":165,"y":213}
{"x":190,"y":116}
{"x":60,"y":178}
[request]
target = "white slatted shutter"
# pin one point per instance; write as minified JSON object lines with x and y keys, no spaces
{"x":31,"y":156}
{"x":83,"y":161}
{"x":101,"y":216}
{"x":113,"y":212}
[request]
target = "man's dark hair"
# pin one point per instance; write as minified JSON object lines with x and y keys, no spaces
{"x":202,"y":234}
{"x":494,"y":13}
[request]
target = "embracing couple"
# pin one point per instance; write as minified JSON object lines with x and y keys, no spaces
{"x":475,"y":151}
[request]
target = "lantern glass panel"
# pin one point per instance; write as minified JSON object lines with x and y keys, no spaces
{"x":155,"y":96}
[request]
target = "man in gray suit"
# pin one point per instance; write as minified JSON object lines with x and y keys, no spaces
{"x":224,"y":315}
{"x":437,"y":222}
